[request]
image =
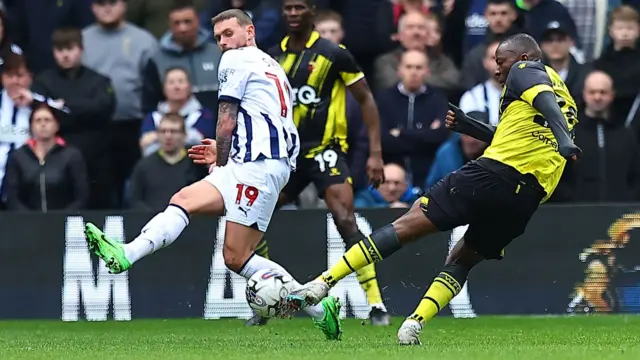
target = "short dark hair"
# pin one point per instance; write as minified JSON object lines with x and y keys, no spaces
{"x":174,"y":118}
{"x":176,"y":68}
{"x":38,"y":107}
{"x":181,"y":5}
{"x":524,"y":44}
{"x":14,"y":62}
{"x":243,"y":18}
{"x":66,"y":37}
{"x":502,"y":2}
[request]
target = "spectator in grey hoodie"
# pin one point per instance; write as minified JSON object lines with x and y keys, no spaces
{"x":120,"y":50}
{"x":186,"y":45}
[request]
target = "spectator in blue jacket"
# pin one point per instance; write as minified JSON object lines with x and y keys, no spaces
{"x":457,"y":151}
{"x":199,"y":120}
{"x":412,"y":118}
{"x":395,"y":192}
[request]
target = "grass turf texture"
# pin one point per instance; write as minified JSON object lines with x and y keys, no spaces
{"x":521,"y":338}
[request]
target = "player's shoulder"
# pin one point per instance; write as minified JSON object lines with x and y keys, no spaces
{"x":528,"y":65}
{"x":234,"y":56}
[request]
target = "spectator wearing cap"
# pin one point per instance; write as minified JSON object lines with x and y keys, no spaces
{"x":46,"y":174}
{"x":395,"y":192}
{"x":609,"y":170}
{"x":620,"y":61}
{"x":412,"y":118}
{"x":556,"y":44}
{"x":91,"y":102}
{"x":33,"y":21}
{"x":542,"y":12}
{"x":455,"y":152}
{"x":120,"y":50}
{"x":415,"y":32}
{"x":185,"y":45}
{"x":485,"y":97}
{"x":199,"y":122}
{"x":501,"y":17}
{"x":591,"y":18}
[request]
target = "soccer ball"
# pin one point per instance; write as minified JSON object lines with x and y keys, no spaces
{"x":266,"y":289}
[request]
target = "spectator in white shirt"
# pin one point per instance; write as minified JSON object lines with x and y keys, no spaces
{"x":485,"y":97}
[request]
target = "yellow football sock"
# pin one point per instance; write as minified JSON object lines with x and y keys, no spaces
{"x":381,"y":244}
{"x":262,"y":249}
{"x":369,"y":283}
{"x":443,"y":288}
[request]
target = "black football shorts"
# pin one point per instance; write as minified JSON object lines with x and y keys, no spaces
{"x":494,"y":199}
{"x":326,"y":168}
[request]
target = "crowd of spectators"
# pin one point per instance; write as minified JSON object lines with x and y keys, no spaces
{"x":101,"y":97}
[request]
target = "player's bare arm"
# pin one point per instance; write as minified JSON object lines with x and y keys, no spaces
{"x":227,"y":121}
{"x":371,"y":117}
{"x":456,"y":120}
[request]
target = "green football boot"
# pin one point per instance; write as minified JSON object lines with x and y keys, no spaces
{"x":330,"y":325}
{"x":109,"y":250}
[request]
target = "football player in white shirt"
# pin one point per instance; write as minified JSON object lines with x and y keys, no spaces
{"x":255,"y":150}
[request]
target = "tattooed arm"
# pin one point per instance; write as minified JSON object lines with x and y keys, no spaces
{"x":227,"y":120}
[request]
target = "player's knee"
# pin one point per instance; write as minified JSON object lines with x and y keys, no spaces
{"x":181,"y":198}
{"x":346,"y":223}
{"x":234,"y":257}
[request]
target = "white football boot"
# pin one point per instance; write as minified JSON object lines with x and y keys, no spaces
{"x":409,"y":333}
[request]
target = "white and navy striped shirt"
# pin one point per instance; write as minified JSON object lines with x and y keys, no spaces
{"x":14,"y":129}
{"x":265,"y":129}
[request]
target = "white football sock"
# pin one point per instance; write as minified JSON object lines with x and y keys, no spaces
{"x":161,"y":231}
{"x":256,"y":263}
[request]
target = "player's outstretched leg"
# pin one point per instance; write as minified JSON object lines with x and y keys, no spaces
{"x":381,"y":244}
{"x":339,"y":199}
{"x":444,"y":287}
{"x":161,"y":231}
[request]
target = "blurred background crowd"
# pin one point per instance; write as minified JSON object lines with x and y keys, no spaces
{"x":101,"y":97}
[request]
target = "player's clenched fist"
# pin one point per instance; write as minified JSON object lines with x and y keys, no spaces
{"x":450,"y":120}
{"x":204,"y":154}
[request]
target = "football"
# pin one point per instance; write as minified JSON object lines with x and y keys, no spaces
{"x":266,"y":289}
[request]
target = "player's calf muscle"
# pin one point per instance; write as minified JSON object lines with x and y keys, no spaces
{"x":413,"y":224}
{"x":239,"y":244}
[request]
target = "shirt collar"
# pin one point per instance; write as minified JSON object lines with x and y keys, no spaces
{"x":404,"y":91}
{"x":312,"y":40}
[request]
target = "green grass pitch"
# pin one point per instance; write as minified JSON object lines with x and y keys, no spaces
{"x":517,"y":338}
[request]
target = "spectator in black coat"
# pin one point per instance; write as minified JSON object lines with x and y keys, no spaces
{"x":33,"y":21}
{"x":91,"y":103}
{"x":6,"y":43}
{"x":412,"y":118}
{"x":609,"y":170}
{"x":160,"y":175}
{"x":45,"y":174}
{"x":620,"y":60}
{"x":542,"y":12}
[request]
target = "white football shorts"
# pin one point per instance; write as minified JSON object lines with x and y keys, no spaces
{"x":250,"y":190}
